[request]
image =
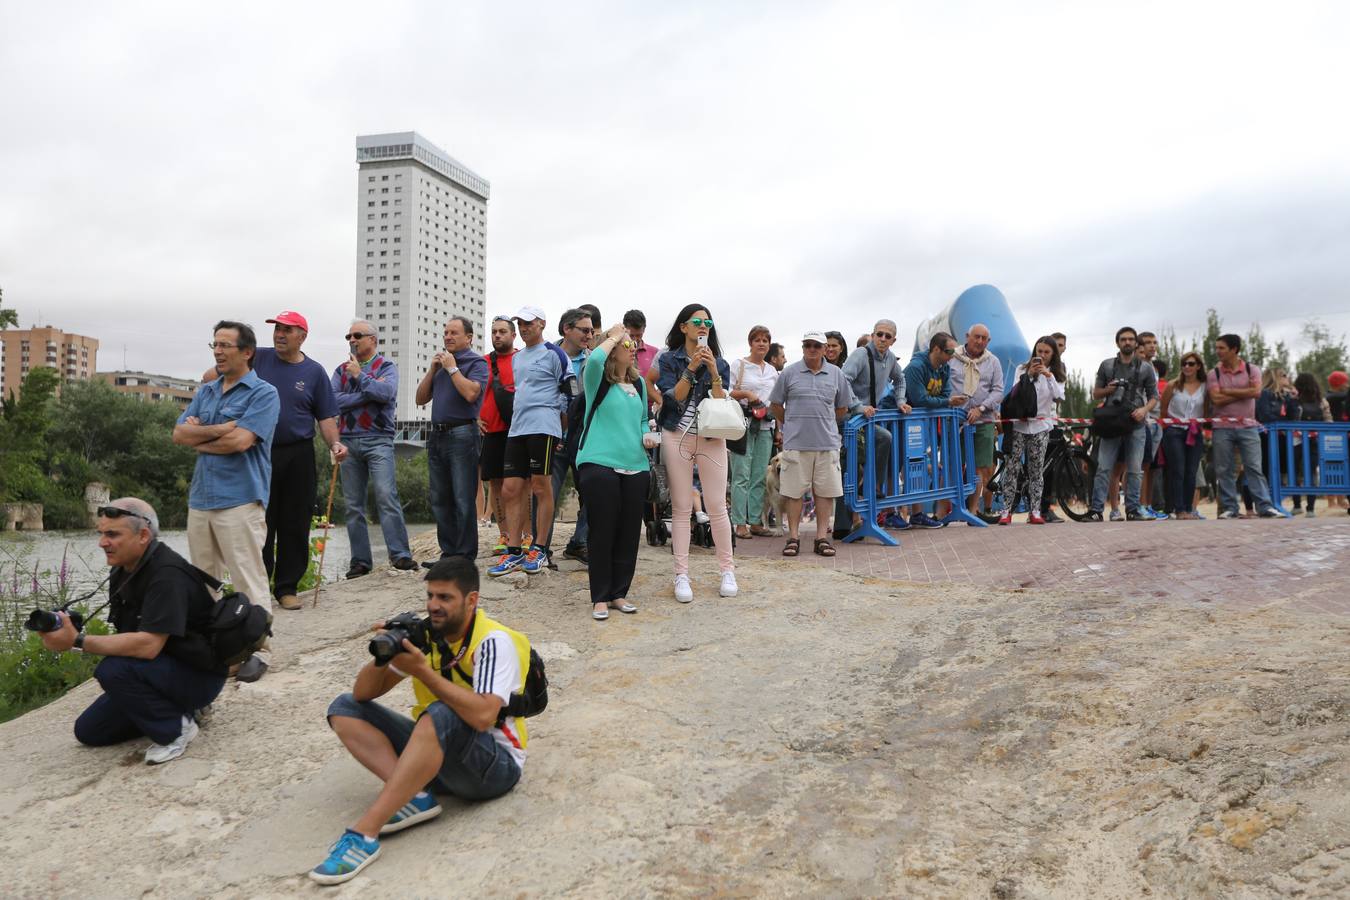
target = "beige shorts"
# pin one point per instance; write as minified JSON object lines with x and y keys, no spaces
{"x":816,"y":470}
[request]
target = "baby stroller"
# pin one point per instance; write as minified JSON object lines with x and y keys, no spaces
{"x":656,"y":514}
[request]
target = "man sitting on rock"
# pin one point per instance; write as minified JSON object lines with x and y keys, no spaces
{"x":159,"y":668}
{"x":456,"y":741}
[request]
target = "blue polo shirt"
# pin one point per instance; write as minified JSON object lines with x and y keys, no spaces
{"x":305,"y":393}
{"x":234,"y":479}
{"x":446,"y":401}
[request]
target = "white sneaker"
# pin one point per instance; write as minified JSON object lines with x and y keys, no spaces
{"x":162,"y":753}
{"x":728,"y":588}
{"x":684,"y":592}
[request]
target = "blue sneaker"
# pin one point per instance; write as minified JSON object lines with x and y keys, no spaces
{"x":506,"y":564}
{"x":414,"y":812}
{"x":924,"y":520}
{"x":1160,"y":516}
{"x":895,"y":522}
{"x":1116,"y":516}
{"x":346,"y":859}
{"x":534,"y":560}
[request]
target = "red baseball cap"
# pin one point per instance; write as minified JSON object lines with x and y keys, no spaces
{"x":1338,"y":380}
{"x":287,"y":317}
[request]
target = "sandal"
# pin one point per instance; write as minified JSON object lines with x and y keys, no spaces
{"x":745,"y":535}
{"x":761,"y":531}
{"x":622,"y":606}
{"x":824,"y":547}
{"x":792,"y":547}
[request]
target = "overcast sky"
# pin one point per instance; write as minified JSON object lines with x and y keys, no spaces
{"x":796,"y":164}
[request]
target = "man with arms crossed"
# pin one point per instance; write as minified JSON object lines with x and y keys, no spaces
{"x":230,"y":423}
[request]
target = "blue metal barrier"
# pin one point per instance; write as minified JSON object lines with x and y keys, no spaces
{"x":927,"y":447}
{"x":1329,"y":475}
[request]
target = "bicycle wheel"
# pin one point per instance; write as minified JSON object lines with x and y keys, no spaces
{"x":991,"y":515}
{"x":1074,"y":475}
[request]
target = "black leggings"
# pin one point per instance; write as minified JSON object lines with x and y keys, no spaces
{"x":614,"y":505}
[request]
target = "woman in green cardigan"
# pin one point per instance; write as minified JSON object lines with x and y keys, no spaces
{"x":612,"y":469}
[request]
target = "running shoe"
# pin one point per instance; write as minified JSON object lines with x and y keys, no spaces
{"x":1116,"y":516}
{"x":1137,"y":515}
{"x":1094,"y":515}
{"x":924,"y":520}
{"x":1228,"y":514}
{"x":346,"y":858}
{"x":499,"y":547}
{"x":895,"y":522}
{"x":684,"y":592}
{"x":414,"y":812}
{"x":535,"y":560}
{"x":506,"y":564}
{"x":1271,"y":512}
{"x":728,"y":588}
{"x":162,"y":753}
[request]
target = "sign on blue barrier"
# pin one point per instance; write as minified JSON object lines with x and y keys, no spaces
{"x":929,"y":457}
{"x":1296,"y":470}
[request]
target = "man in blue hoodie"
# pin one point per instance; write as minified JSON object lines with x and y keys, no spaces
{"x":928,"y":385}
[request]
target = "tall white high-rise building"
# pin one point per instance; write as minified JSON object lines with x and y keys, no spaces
{"x":421,"y":251}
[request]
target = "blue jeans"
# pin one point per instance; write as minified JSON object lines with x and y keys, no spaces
{"x":370,"y":459}
{"x":475,"y":767}
{"x":1246,"y":441}
{"x":1131,"y":447}
{"x":452,"y":475}
{"x":146,"y":697}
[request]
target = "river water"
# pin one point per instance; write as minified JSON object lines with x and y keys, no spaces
{"x":85,"y":565}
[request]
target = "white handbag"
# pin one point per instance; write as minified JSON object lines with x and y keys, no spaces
{"x":722,"y":418}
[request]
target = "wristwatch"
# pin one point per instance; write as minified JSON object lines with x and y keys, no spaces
{"x":79,"y":642}
{"x":452,"y":370}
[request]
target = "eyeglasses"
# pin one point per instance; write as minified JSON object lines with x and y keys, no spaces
{"x":950,"y":351}
{"x":883,"y":335}
{"x":811,"y":345}
{"x":216,"y":345}
{"x":354,"y":336}
{"x":583,"y":330}
{"x":117,"y":512}
{"x":699,"y":323}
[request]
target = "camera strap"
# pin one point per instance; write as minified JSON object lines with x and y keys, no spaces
{"x":444,"y":650}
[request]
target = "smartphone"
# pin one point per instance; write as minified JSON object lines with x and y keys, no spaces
{"x":703,"y":340}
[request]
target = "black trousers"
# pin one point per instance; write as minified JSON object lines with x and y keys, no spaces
{"x":614,"y":503}
{"x":144,"y":697}
{"x":290,"y":506}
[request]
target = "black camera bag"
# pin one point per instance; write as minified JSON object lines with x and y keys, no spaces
{"x":238,"y":628}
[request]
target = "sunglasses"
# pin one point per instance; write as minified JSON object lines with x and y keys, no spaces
{"x":950,"y":351}
{"x":215,"y":345}
{"x":630,"y":344}
{"x":501,"y":318}
{"x":883,"y":335}
{"x":811,"y":345}
{"x":583,"y":330}
{"x":117,"y":512}
{"x":356,"y":337}
{"x":1190,"y":362}
{"x":699,"y":323}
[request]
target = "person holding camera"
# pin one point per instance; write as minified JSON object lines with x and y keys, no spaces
{"x":1129,"y":386}
{"x":158,"y":669}
{"x":1030,"y":436}
{"x":464,"y":667}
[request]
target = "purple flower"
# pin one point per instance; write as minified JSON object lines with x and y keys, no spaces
{"x":65,"y":570}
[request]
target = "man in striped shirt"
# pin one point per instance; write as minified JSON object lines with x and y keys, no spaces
{"x":457,"y":741}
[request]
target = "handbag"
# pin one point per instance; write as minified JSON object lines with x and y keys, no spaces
{"x":720,"y":418}
{"x":740,"y":444}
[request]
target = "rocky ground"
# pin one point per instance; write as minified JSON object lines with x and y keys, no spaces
{"x":823,"y":734}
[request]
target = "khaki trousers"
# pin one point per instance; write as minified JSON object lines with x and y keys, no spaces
{"x":227,"y":545}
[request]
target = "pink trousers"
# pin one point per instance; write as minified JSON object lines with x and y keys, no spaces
{"x":679,"y":453}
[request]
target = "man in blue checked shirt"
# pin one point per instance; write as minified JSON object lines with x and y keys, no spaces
{"x":230,"y":423}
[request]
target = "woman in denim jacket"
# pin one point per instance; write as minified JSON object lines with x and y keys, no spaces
{"x":690,"y":373}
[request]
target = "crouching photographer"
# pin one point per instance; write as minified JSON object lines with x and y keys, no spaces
{"x":159,"y":667}
{"x":474,"y":680}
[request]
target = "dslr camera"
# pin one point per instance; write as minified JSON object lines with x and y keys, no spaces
{"x":1119,"y":395}
{"x":48,"y":620}
{"x":388,"y":644}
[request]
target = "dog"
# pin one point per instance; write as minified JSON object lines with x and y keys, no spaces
{"x":774,"y":501}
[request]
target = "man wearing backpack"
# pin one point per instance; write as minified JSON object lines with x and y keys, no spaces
{"x":1233,"y":387}
{"x":159,"y":668}
{"x":461,"y":739}
{"x":1128,"y":385}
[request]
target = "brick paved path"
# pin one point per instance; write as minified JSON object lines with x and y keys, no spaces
{"x":1300,"y":563}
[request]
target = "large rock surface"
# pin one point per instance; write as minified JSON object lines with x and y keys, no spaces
{"x":822,"y":735}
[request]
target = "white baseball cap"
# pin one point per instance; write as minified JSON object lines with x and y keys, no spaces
{"x":817,"y":336}
{"x":529,"y":314}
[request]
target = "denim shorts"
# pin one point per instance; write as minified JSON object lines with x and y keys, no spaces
{"x":475,"y":767}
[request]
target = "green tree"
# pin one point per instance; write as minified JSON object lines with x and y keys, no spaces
{"x":1170,"y":349}
{"x":8,"y":317}
{"x":1077,"y":398}
{"x":23,"y":429}
{"x":1324,"y":355}
{"x":1255,"y":349}
{"x":1205,"y":343}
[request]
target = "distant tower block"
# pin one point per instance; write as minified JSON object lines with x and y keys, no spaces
{"x":421,"y":251}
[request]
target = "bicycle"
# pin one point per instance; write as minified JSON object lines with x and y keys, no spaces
{"x":1070,"y":467}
